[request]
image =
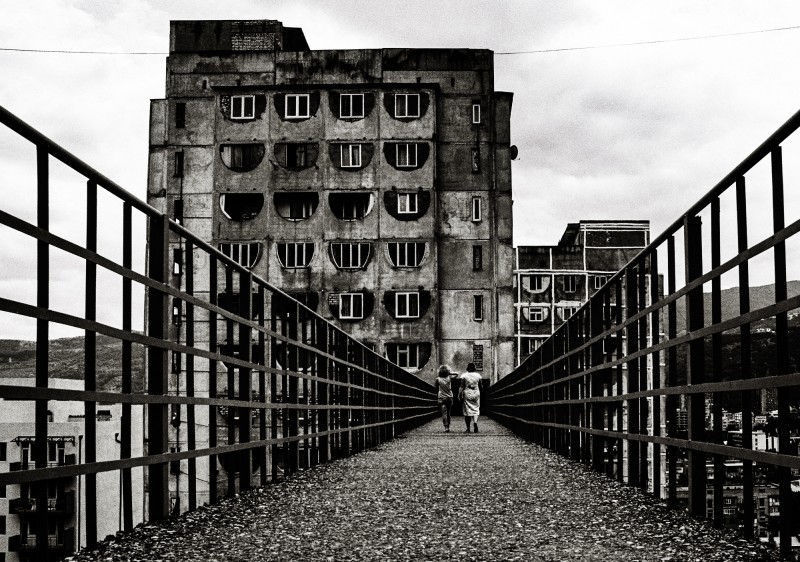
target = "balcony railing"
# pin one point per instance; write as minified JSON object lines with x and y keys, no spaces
{"x":269,"y":345}
{"x":669,"y":345}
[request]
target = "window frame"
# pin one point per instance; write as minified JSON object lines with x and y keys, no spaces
{"x":242,"y":114}
{"x":408,"y":351}
{"x":476,"y":114}
{"x":477,"y":208}
{"x":241,"y":252}
{"x":349,"y":150}
{"x":405,"y":246}
{"x":536,"y":283}
{"x":306,"y":259}
{"x":477,"y":257}
{"x":351,"y":115}
{"x":406,"y":97}
{"x":409,"y":297}
{"x":477,"y":308}
{"x":407,"y":152}
{"x":599,"y":280}
{"x":569,"y":283}
{"x":296,"y":106}
{"x":352,"y":297}
{"x":535,"y":314}
{"x":362,"y":260}
{"x":408,"y":197}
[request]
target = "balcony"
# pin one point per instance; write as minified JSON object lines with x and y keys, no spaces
{"x":55,"y":543}
{"x":30,"y":465}
{"x":63,"y":505}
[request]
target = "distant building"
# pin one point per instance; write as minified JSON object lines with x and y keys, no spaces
{"x":552,"y":282}
{"x":65,"y":496}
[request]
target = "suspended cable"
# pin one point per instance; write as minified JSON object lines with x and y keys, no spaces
{"x":653,"y":42}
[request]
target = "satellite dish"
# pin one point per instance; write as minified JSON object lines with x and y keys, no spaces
{"x":514,"y":152}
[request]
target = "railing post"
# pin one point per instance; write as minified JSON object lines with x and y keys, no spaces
{"x":245,"y":457}
{"x":632,"y":339}
{"x":157,"y":369}
{"x":782,"y":356}
{"x":39,"y":489}
{"x":695,"y":364}
{"x":90,"y":362}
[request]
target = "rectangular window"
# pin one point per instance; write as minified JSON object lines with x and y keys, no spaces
{"x":300,"y":208}
{"x":178,"y":172}
{"x":179,"y":211}
{"x":243,"y":107}
{"x":180,"y":115}
{"x":600,"y":280}
{"x":246,"y":254}
{"x":476,"y":113}
{"x":535,"y":314}
{"x":2,"y":491}
{"x":55,"y":453}
{"x":477,"y":211}
{"x":477,"y":258}
{"x":3,"y":451}
{"x":296,"y":155}
{"x":293,"y":255}
{"x":351,"y":306}
{"x":406,"y":155}
{"x":348,"y":255}
{"x":177,"y":261}
{"x":351,"y":106}
{"x":404,"y":355}
{"x":406,"y":105}
{"x":407,"y":305}
{"x":477,"y":307}
{"x":476,"y":161}
{"x":570,"y":283}
{"x":535,"y":282}
{"x":406,"y":254}
{"x":407,"y":203}
{"x":297,"y":106}
{"x":2,"y":524}
{"x":351,"y":155}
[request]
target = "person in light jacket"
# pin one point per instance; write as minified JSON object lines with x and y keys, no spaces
{"x":470,"y":395}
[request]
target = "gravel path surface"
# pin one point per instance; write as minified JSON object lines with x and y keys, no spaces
{"x":437,"y":496}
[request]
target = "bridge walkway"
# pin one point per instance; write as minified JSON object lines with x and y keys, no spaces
{"x":431,"y":495}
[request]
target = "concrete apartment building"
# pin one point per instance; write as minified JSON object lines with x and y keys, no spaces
{"x":552,"y":282}
{"x":66,"y":504}
{"x":372,"y":185}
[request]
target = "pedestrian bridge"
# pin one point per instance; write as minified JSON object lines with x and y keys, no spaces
{"x":269,"y":433}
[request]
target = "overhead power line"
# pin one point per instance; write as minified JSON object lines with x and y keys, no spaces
{"x":553,"y":50}
{"x":653,"y":42}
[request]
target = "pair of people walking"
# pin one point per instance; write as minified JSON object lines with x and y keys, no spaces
{"x":469,"y":394}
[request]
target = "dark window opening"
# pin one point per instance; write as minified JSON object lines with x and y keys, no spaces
{"x":178,"y":211}
{"x":351,"y":306}
{"x":177,"y":261}
{"x":477,"y":258}
{"x":230,"y":302}
{"x":406,"y":156}
{"x":243,"y":107}
{"x":180,"y":115}
{"x":477,"y":307}
{"x":296,"y":156}
{"x":407,"y":305}
{"x":295,"y":255}
{"x":298,"y":106}
{"x":406,"y":254}
{"x":177,"y":311}
{"x":178,"y":171}
{"x":406,"y":105}
{"x":245,"y":254}
{"x":408,"y":355}
{"x":296,"y":206}
{"x":346,"y":255}
{"x":350,"y":206}
{"x":351,"y":106}
{"x":570,"y":283}
{"x":3,"y":451}
{"x":241,"y":157}
{"x":476,"y":161}
{"x":241,"y":206}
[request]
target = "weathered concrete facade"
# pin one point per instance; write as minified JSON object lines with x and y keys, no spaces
{"x":551,"y":282}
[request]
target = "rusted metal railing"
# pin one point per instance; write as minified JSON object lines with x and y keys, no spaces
{"x":243,"y":384}
{"x":636,"y":382}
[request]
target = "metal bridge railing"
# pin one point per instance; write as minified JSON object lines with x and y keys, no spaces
{"x":636,"y":382}
{"x":243,"y":384}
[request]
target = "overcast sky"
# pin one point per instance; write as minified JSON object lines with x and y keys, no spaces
{"x":625,"y":132}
